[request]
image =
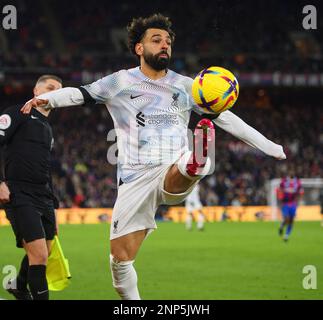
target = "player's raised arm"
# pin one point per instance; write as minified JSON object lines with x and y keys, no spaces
{"x":99,"y":91}
{"x":231,"y":123}
{"x":59,"y":98}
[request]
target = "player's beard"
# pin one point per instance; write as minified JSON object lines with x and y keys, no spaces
{"x":156,"y":62}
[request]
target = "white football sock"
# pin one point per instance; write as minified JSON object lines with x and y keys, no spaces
{"x":200,"y":221}
{"x":182,"y":166}
{"x":124,"y":278}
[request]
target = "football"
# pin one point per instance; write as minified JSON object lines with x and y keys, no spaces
{"x":215,"y":90}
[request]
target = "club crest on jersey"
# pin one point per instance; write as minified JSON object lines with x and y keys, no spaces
{"x":5,"y":121}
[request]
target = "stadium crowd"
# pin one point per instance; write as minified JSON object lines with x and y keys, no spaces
{"x":93,"y":38}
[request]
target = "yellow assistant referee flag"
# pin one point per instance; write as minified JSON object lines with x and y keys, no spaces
{"x":57,"y":270}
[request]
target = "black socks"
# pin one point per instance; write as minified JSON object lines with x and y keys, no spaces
{"x":37,"y":282}
{"x":23,"y":274}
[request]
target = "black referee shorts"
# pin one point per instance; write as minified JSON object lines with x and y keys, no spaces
{"x":31,"y":213}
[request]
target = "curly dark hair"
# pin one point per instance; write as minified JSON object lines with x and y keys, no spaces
{"x":138,"y":26}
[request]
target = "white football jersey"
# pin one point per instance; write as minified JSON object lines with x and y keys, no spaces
{"x":150,"y":117}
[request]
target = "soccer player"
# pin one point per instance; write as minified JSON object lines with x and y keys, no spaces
{"x":193,"y":203}
{"x":289,"y":193}
{"x":26,"y":190}
{"x":150,"y":106}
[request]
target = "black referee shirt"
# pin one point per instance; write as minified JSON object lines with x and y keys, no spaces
{"x":26,"y":141}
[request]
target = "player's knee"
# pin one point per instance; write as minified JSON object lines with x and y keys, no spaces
{"x":121,"y":250}
{"x":120,"y":255}
{"x":175,"y":182}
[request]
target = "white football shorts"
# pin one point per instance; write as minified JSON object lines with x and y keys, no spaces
{"x":138,"y":200}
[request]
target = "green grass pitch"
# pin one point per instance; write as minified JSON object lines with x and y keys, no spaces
{"x":226,"y":261}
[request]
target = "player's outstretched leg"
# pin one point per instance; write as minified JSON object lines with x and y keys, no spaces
{"x":199,"y":162}
{"x":192,"y":166}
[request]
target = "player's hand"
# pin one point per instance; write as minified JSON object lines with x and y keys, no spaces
{"x":281,"y":154}
{"x":282,"y":157}
{"x":33,"y":103}
{"x":4,"y":193}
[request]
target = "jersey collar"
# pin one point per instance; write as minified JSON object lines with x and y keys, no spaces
{"x":142,"y":76}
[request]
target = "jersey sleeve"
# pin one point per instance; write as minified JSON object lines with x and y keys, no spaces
{"x":102,"y":90}
{"x":231,"y":123}
{"x":10,"y":120}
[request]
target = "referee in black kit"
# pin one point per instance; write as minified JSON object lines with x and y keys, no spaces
{"x":26,"y":190}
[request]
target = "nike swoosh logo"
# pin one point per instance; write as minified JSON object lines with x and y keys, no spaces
{"x":33,"y":117}
{"x":134,"y":97}
{"x":41,"y":292}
